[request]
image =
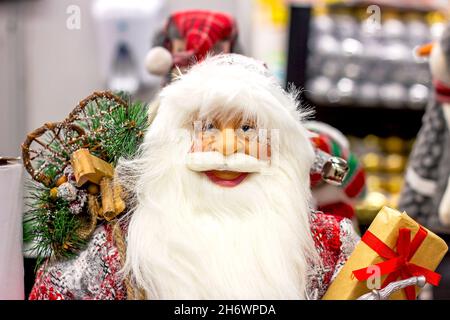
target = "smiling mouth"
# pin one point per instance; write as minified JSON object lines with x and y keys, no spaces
{"x":226,"y":178}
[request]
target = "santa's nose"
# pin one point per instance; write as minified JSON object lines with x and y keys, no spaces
{"x":228,"y":142}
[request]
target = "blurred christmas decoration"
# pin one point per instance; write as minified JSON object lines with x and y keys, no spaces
{"x":357,"y":57}
{"x":427,"y":189}
{"x":72,"y":165}
{"x":384,"y":160}
{"x":342,"y":182}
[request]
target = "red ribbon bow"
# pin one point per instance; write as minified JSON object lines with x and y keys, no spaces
{"x":397,"y":264}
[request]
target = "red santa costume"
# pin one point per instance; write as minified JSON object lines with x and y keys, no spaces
{"x":220,"y":201}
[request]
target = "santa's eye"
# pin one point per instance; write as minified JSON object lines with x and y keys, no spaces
{"x":247,"y":131}
{"x":208,"y":126}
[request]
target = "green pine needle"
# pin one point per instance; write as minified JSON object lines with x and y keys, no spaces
{"x":49,"y":225}
{"x":120,"y":132}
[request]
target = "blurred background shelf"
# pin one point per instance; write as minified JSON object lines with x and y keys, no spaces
{"x":359,"y":73}
{"x":361,"y":121}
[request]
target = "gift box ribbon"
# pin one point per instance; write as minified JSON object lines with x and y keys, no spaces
{"x":397,"y":264}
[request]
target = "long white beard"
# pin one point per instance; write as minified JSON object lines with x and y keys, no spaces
{"x":191,"y":239}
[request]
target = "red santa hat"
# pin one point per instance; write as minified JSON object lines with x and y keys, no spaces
{"x":200,"y":29}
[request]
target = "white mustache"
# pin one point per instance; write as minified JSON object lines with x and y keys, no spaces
{"x":238,"y":162}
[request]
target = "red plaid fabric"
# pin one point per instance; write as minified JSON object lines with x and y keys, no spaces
{"x":202,"y":30}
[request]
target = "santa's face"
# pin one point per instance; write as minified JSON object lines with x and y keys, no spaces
{"x":234,"y":137}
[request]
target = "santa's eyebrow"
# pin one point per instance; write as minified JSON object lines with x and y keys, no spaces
{"x":223,"y":115}
{"x":251,"y":121}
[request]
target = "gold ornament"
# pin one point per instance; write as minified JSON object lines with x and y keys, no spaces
{"x":394,"y":145}
{"x":54,"y":193}
{"x":395,"y":163}
{"x":372,"y":162}
{"x":61,"y":180}
{"x":93,"y":189}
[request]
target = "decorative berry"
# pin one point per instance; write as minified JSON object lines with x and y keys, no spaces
{"x":68,"y":172}
{"x":75,"y":207}
{"x":93,"y":189}
{"x":54,"y":193}
{"x":61,"y":180}
{"x":67,"y":191}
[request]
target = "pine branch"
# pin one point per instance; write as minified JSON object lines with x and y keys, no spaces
{"x":50,"y":226}
{"x":118,"y":130}
{"x":113,"y":131}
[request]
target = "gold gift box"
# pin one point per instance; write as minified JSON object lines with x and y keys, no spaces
{"x":386,"y":227}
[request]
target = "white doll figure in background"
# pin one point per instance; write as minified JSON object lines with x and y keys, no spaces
{"x":426,"y":194}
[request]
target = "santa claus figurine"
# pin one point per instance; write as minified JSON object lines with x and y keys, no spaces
{"x":220,"y":201}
